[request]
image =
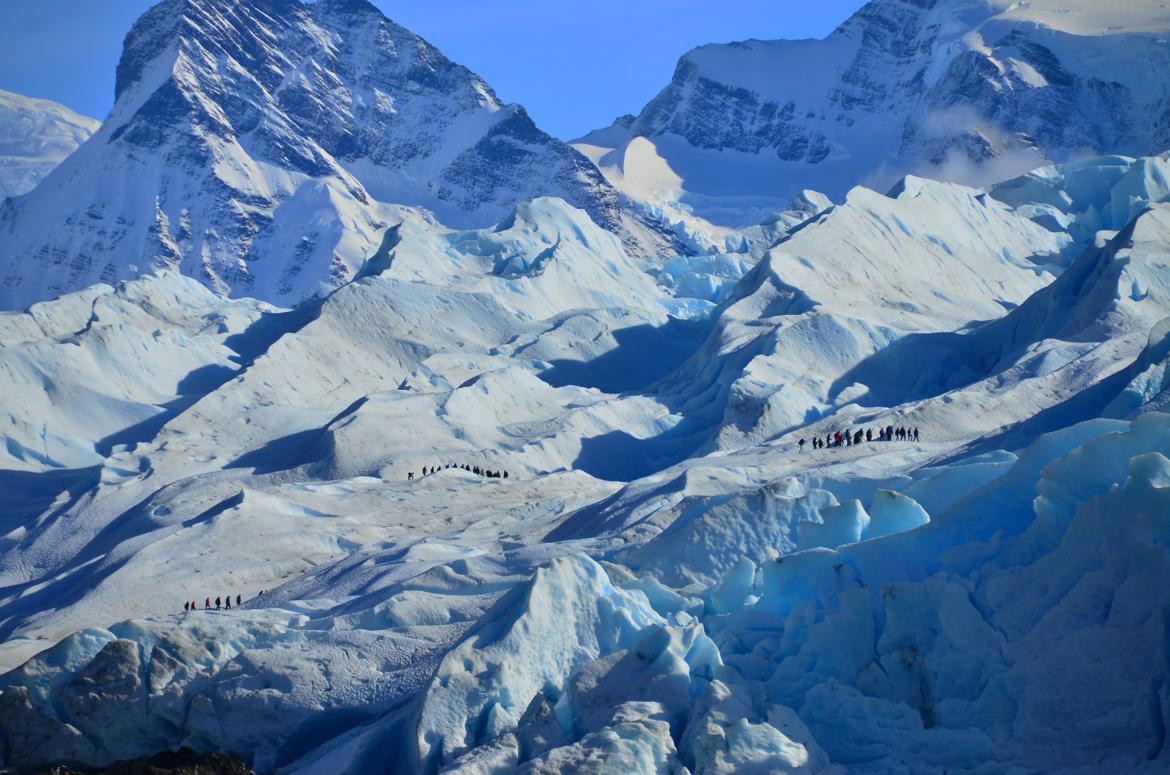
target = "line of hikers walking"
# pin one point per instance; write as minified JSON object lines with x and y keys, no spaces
{"x":487,"y":474}
{"x":851,"y":436}
{"x":224,"y":602}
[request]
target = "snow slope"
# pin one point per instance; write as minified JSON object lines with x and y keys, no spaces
{"x":970,"y":91}
{"x":255,"y":145}
{"x":664,"y":580}
{"x":35,"y":136}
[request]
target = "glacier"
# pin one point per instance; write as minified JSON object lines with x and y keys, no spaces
{"x":666,"y":581}
{"x":512,"y":455}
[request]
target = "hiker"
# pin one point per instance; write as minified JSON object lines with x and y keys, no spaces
{"x":916,"y":434}
{"x":186,"y":606}
{"x":801,"y":445}
{"x":217,"y":604}
{"x":505,"y":473}
{"x":207,"y":604}
{"x":228,"y":602}
{"x":410,"y":476}
{"x":889,"y":433}
{"x":837,"y":438}
{"x":857,"y":437}
{"x":238,"y":600}
{"x":869,"y":434}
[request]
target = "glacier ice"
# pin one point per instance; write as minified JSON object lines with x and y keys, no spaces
{"x":665,"y":581}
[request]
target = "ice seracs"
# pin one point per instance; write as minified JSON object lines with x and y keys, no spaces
{"x":666,"y":579}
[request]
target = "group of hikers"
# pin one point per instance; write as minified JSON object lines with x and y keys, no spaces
{"x":850,"y":437}
{"x":224,"y":602}
{"x":470,"y":469}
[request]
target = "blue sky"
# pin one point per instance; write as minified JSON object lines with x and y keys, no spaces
{"x":575,"y":66}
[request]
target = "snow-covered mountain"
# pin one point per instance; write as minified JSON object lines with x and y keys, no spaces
{"x":666,"y":579}
{"x":35,"y":136}
{"x":255,"y":144}
{"x":970,"y":91}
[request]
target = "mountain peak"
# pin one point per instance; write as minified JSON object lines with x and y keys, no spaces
{"x":262,"y":146}
{"x":970,"y":91}
{"x":35,"y":136}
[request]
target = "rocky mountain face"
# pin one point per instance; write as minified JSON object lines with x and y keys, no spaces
{"x":968,"y":91}
{"x":35,"y":136}
{"x":255,"y":145}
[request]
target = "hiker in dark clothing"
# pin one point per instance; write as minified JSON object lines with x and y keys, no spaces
{"x":238,"y":600}
{"x":869,"y":434}
{"x":801,"y":445}
{"x":889,"y":433}
{"x":207,"y":604}
{"x":410,"y":476}
{"x":857,"y":437}
{"x":217,"y":604}
{"x":186,"y":606}
{"x":228,"y":601}
{"x":916,"y":434}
